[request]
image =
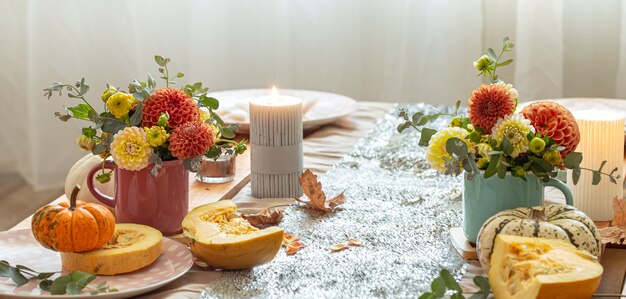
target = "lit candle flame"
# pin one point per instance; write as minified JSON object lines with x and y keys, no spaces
{"x":274,"y":92}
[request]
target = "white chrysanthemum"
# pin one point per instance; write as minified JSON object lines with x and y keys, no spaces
{"x":512,"y":91}
{"x":515,"y":128}
{"x":437,"y":154}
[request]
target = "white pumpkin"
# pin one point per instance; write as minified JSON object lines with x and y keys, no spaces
{"x":552,"y":222}
{"x":78,"y":176}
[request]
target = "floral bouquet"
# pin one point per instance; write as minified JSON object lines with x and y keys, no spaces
{"x":495,"y":139}
{"x":145,"y":126}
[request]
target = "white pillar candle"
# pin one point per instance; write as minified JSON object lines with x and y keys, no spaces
{"x":276,"y":146}
{"x":601,"y":138}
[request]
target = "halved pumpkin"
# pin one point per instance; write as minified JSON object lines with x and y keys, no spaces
{"x":523,"y":267}
{"x":132,"y":247}
{"x":219,"y":237}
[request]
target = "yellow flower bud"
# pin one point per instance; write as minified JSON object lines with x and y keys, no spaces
{"x":518,"y":171}
{"x":482,"y":63}
{"x":156,"y":136}
{"x":537,"y":145}
{"x":484,"y":149}
{"x":456,"y":122}
{"x":107,"y":93}
{"x":553,"y":156}
{"x":482,"y":163}
{"x":85,"y":143}
{"x":120,"y":104}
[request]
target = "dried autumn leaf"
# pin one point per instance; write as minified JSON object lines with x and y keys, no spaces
{"x":339,"y":247}
{"x":613,"y":235}
{"x":619,"y":212}
{"x":312,"y":188}
{"x":354,"y":242}
{"x":292,"y":244}
{"x":266,"y":217}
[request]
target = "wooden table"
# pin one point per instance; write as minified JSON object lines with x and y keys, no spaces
{"x":322,"y":149}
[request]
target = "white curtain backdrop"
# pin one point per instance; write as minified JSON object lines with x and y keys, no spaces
{"x":399,"y":50}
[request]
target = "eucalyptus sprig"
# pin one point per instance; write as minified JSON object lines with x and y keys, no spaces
{"x":489,"y":63}
{"x":446,"y":282}
{"x":418,"y":120}
{"x":73,"y":283}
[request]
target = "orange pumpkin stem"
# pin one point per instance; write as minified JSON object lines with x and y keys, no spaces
{"x":73,"y":197}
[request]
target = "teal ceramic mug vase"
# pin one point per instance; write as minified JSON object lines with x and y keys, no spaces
{"x":483,"y":198}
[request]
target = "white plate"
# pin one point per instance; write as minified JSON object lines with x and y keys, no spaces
{"x":319,"y":108}
{"x":20,"y":247}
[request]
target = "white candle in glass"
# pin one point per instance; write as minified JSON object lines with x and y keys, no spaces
{"x":276,"y":146}
{"x":601,"y":138}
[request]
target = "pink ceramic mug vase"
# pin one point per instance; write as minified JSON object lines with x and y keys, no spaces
{"x":160,"y":201}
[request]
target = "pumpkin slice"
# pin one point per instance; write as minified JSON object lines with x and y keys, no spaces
{"x":523,"y":267}
{"x":132,"y":247}
{"x":220,"y":238}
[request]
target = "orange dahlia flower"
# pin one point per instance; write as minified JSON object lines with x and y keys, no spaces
{"x":554,"y":121}
{"x":489,"y":103}
{"x":179,"y":105}
{"x":191,"y":139}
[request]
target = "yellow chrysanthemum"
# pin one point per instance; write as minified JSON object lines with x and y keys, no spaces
{"x":436,"y":154}
{"x":120,"y":104}
{"x":204,"y":115}
{"x":156,"y":135}
{"x":130,"y":149}
{"x":515,"y":128}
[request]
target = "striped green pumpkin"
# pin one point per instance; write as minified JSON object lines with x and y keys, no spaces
{"x":551,"y":221}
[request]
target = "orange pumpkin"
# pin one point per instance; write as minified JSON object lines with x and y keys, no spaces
{"x":73,"y":226}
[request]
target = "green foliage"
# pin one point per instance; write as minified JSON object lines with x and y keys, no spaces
{"x":488,"y":64}
{"x":72,"y":283}
{"x":446,"y":282}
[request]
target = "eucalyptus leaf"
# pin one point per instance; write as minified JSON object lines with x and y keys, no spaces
{"x":504,"y":63}
{"x":457,"y":296}
{"x":506,"y":146}
{"x":425,"y":136}
{"x":210,"y":102}
{"x":18,"y":278}
{"x":45,"y":275}
{"x":159,"y":60}
{"x":492,"y":168}
{"x":415,"y":118}
{"x":438,"y":287}
{"x":573,"y":160}
{"x":135,"y":119}
{"x":112,"y":126}
{"x":449,"y":280}
{"x":596,"y":178}
{"x":227,"y":133}
{"x":501,"y":170}
{"x":576,"y":175}
{"x":72,"y":288}
{"x":428,"y":295}
{"x":457,"y":147}
{"x":45,"y":284}
{"x":403,"y":126}
{"x":492,"y":54}
{"x":59,"y":285}
{"x":456,"y":107}
{"x":602,"y":166}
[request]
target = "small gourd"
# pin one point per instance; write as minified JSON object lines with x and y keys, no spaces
{"x":73,"y":226}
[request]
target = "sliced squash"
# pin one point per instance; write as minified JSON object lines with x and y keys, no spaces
{"x":523,"y":267}
{"x":132,"y":247}
{"x":219,"y":237}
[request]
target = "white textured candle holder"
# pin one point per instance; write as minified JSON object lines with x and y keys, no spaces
{"x":276,"y":146}
{"x":601,"y":138}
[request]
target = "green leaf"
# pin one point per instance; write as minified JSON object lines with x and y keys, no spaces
{"x":135,"y":119}
{"x":426,"y":134}
{"x":573,"y":160}
{"x":417,"y":117}
{"x":492,"y":168}
{"x":83,"y":88}
{"x":449,"y":280}
{"x":72,"y":288}
{"x":438,"y":287}
{"x":544,"y":165}
{"x":5,"y":269}
{"x":483,"y":283}
{"x":428,"y":295}
{"x":59,"y":285}
{"x":63,"y":117}
{"x":81,"y":111}
{"x":403,"y":126}
{"x":457,"y":147}
{"x":180,"y":75}
{"x":17,"y":277}
{"x":45,"y":275}
{"x":492,"y":54}
{"x":159,"y":60}
{"x":602,"y":166}
{"x":456,"y":107}
{"x":505,"y":62}
{"x":474,"y":136}
{"x":457,"y":296}
{"x":596,"y":178}
{"x":507,"y":147}
{"x":210,"y":102}
{"x":45,"y":284}
{"x":89,"y":132}
{"x":501,"y":170}
{"x":213,"y":152}
{"x":227,"y":133}
{"x":575,"y":175}
{"x":112,"y":125}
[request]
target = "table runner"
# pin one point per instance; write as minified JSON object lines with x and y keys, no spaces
{"x":397,"y":205}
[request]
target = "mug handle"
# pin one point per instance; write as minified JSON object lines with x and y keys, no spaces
{"x":569,"y":199}
{"x":105,"y":199}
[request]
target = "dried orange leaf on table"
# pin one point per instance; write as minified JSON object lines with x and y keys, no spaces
{"x":292,"y":244}
{"x":354,"y":242}
{"x":619,"y":212}
{"x":613,"y":235}
{"x":339,"y":247}
{"x":266,"y":217}
{"x":312,"y":188}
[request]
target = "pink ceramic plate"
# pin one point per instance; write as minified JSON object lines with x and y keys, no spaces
{"x":20,"y":247}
